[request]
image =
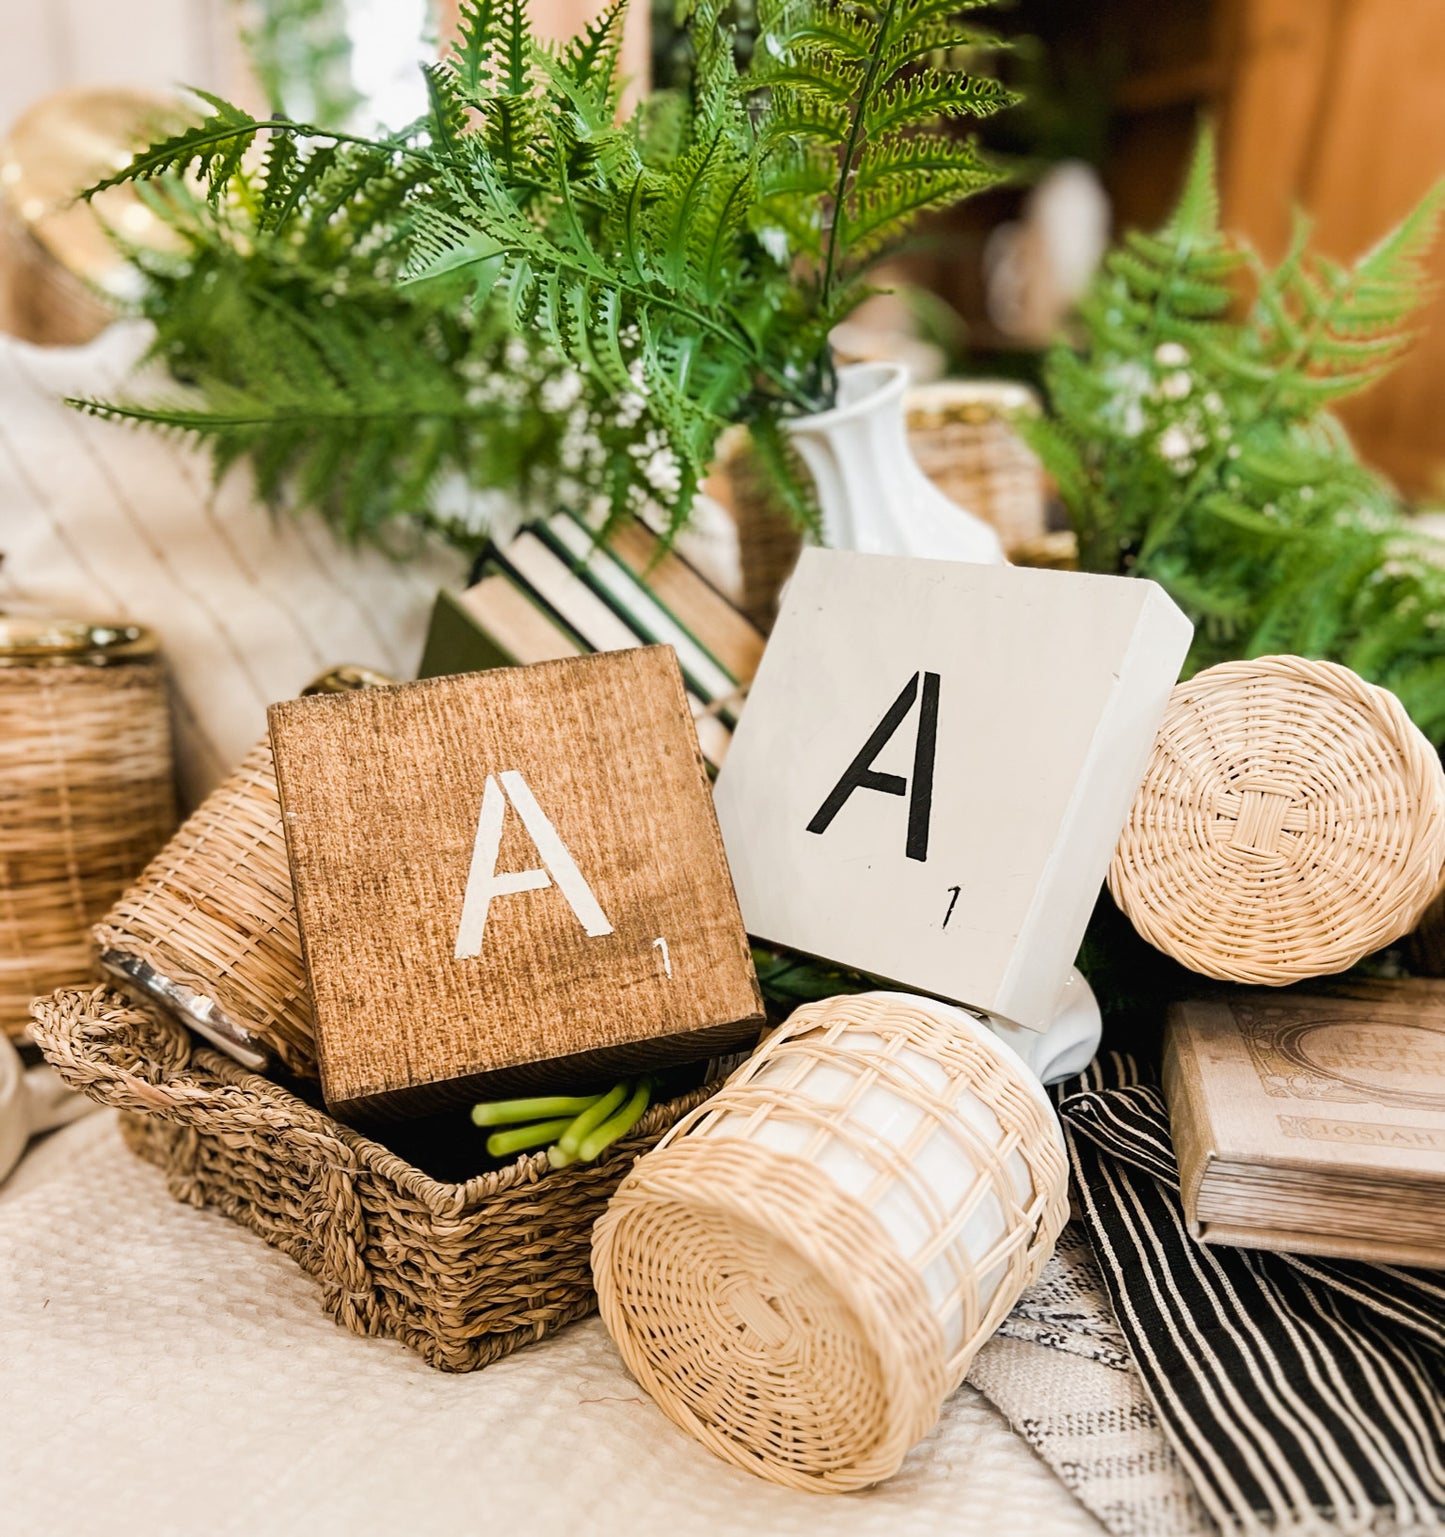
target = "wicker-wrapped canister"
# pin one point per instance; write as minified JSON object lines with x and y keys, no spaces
{"x":461,"y":1272}
{"x":805,"y":1267}
{"x":86,"y":792}
{"x":209,"y":928}
{"x":963,"y":435}
{"x":1291,"y":820}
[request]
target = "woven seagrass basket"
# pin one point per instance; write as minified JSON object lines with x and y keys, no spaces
{"x":463,"y":1273}
{"x":1291,"y":821}
{"x":209,"y":927}
{"x":86,"y":793}
{"x":804,"y":1269}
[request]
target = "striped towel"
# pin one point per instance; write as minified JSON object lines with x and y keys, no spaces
{"x":1300,"y":1394}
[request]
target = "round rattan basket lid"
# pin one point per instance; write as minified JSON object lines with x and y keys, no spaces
{"x":1291,"y":820}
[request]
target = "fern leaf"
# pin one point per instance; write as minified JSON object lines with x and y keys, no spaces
{"x":448,"y":106}
{"x":591,"y":58}
{"x":872,"y":220}
{"x":813,"y":69}
{"x":920,"y":154}
{"x":793,"y":114}
{"x":475,"y":50}
{"x":1195,"y":219}
{"x":211,"y":147}
{"x":936,"y":35}
{"x":931,"y":96}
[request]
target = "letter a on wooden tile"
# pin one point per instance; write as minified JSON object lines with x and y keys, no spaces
{"x":484,"y":882}
{"x":508,"y":880}
{"x":934,"y":764}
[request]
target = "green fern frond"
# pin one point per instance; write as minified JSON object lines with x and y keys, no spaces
{"x":592,"y":57}
{"x":931,"y":96}
{"x":349,"y":308}
{"x":1194,"y":221}
{"x":1193,"y":447}
{"x":212,"y":148}
{"x":1330,"y":330}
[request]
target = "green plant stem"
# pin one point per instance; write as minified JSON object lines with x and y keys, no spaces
{"x":855,"y":132}
{"x":502,"y":1144}
{"x":618,"y":1125}
{"x":509,"y":1112}
{"x":570,"y":1140}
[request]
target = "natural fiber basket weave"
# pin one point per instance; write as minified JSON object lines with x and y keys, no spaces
{"x":462,"y":1273}
{"x":1291,"y":821}
{"x":963,"y":436}
{"x":210,"y":925}
{"x":209,"y":928}
{"x":86,"y":797}
{"x":804,"y":1269}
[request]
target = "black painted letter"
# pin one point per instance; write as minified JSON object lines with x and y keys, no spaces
{"x":861,"y":775}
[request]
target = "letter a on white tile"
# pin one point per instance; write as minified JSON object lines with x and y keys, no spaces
{"x":484,"y":881}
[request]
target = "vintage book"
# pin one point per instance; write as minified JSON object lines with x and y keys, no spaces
{"x":935,"y":764}
{"x":509,"y":879}
{"x":1313,"y":1124}
{"x":552,"y":592}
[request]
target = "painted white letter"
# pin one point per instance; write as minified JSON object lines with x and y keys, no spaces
{"x":484,"y":882}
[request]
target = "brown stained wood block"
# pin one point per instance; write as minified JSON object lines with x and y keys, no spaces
{"x":510,"y":879}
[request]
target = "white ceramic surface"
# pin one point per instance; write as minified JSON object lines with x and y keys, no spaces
{"x":1069,"y":1042}
{"x":872,"y":494}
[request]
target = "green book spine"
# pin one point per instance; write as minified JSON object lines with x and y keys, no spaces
{"x":455,"y":643}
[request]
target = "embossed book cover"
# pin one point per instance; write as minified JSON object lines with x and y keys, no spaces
{"x":1314,"y":1125}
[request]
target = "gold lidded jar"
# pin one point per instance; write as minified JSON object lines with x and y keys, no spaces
{"x":87,"y":791}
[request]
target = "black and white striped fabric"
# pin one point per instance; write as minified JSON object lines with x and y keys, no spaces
{"x":1301,"y":1394}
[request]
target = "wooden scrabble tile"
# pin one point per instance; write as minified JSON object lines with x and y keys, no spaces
{"x":935,"y":763}
{"x":509,"y":879}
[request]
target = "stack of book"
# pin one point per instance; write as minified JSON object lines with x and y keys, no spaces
{"x":1313,"y":1125}
{"x":554,"y":592}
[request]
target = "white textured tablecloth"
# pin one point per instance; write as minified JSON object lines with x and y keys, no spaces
{"x":164,"y":1372}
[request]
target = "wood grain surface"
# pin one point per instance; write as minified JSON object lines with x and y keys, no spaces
{"x":383,"y":795}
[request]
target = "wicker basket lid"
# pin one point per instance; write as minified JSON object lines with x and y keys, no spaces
{"x":1291,"y":820}
{"x":33,"y":642}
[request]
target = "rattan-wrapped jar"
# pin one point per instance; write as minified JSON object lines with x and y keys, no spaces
{"x":1291,"y":821}
{"x":86,"y":792}
{"x":805,"y":1267}
{"x":60,"y":270}
{"x":209,"y":928}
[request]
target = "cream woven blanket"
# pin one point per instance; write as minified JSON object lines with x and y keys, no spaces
{"x":163,"y":1373}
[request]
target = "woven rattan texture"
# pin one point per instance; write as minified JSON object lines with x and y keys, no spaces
{"x":86,"y":797}
{"x":214,"y":911}
{"x":962,"y":435}
{"x":462,"y":1273}
{"x":1291,"y":821}
{"x":765,"y":1307}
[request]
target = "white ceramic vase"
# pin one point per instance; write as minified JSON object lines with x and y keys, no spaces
{"x":871,"y":491}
